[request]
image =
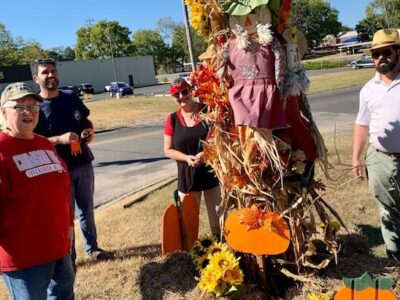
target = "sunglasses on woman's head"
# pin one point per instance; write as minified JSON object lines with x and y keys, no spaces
{"x":386,"y":53}
{"x":182,"y":93}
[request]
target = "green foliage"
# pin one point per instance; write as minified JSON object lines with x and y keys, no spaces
{"x":180,"y":44}
{"x":316,"y":19}
{"x":103,"y":40}
{"x":387,"y":10}
{"x":368,"y":26}
{"x":326,"y":64}
{"x":15,"y":51}
{"x":150,"y":42}
{"x":61,"y":53}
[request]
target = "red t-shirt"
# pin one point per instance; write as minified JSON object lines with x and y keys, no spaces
{"x":35,"y":203}
{"x":168,"y":130}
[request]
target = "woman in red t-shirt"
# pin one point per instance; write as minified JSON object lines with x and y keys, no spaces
{"x":183,"y":135}
{"x":36,"y":219}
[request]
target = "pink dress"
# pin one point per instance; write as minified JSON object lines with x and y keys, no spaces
{"x":254,"y":95}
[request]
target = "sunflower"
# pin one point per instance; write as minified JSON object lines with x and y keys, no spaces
{"x":205,"y":242}
{"x":217,"y":247}
{"x":202,"y":262}
{"x":208,"y":280}
{"x":234,"y":276}
{"x":224,"y":260}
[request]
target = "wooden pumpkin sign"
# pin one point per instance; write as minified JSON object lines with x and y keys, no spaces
{"x":180,"y":225}
{"x":251,"y":230}
{"x":365,"y":288}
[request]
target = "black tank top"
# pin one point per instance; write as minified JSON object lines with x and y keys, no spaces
{"x":188,"y":141}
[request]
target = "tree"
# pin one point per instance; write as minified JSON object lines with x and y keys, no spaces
{"x":388,"y":10}
{"x":7,"y":47}
{"x":103,"y":39}
{"x":316,"y":19}
{"x":368,"y":26}
{"x":150,"y":42}
{"x":69,"y":54}
{"x":180,"y":44}
{"x":166,"y":26}
{"x":61,"y":53}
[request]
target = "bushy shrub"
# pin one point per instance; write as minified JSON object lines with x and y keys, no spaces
{"x":326,"y":64}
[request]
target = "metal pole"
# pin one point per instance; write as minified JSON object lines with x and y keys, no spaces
{"x":112,"y":59}
{"x":188,"y":35}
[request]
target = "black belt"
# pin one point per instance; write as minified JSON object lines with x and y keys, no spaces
{"x":390,"y":154}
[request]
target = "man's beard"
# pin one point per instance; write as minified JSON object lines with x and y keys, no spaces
{"x":388,"y":67}
{"x":50,"y":84}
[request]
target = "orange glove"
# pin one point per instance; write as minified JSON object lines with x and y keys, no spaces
{"x":76,"y":148}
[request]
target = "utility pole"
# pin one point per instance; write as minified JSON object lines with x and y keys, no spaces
{"x":188,"y":35}
{"x":113,"y":60}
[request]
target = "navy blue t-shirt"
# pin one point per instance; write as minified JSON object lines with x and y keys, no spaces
{"x":65,"y":113}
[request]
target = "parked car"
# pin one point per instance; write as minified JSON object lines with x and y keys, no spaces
{"x":363,"y":62}
{"x":122,"y":88}
{"x":85,"y":88}
{"x":72,"y":88}
{"x":108,"y":86}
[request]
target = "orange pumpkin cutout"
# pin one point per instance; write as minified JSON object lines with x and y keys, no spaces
{"x":364,"y":288}
{"x":251,"y":230}
{"x":180,"y":225}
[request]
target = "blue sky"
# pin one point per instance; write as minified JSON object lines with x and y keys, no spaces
{"x":54,"y":23}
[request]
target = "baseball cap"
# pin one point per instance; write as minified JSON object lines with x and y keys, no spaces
{"x":16,"y":91}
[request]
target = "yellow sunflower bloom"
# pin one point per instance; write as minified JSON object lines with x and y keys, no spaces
{"x":217,"y":247}
{"x":313,"y":297}
{"x":205,"y":241}
{"x":223,"y":260}
{"x":202,"y":262}
{"x":234,"y":276}
{"x":208,"y":280}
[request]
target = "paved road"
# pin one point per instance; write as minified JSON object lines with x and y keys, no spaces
{"x":127,"y":160}
{"x":337,"y":108}
{"x":131,"y":158}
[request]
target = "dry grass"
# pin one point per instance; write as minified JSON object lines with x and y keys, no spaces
{"x":129,"y":111}
{"x":139,"y":272}
{"x":339,"y":80}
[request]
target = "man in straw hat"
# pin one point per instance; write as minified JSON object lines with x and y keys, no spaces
{"x":379,"y":117}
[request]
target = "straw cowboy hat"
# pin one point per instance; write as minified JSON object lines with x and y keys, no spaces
{"x":383,"y":38}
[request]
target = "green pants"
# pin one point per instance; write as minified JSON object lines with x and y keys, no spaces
{"x":384,"y":182}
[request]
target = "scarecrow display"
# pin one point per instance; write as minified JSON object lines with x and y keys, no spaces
{"x":264,"y":142}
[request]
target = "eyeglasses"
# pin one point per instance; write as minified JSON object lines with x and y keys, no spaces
{"x":22,"y":108}
{"x":45,"y":61}
{"x":182,"y":93}
{"x":386,"y":53}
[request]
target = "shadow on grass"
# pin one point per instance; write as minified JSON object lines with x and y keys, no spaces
{"x":146,"y":251}
{"x":175,"y":274}
{"x":356,"y":258}
{"x":372,"y":233}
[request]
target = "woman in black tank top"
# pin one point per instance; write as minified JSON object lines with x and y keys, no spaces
{"x":183,"y":135}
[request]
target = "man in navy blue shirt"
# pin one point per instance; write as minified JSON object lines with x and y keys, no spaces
{"x":64,"y":121}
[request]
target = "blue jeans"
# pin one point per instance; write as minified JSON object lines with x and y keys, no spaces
{"x":53,"y":280}
{"x":384,"y":183}
{"x":82,"y":185}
